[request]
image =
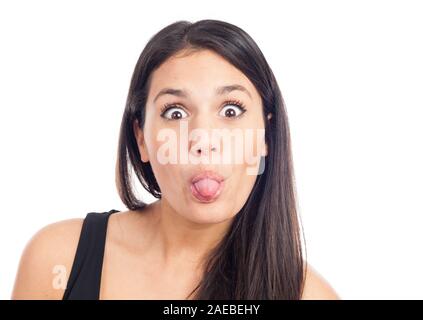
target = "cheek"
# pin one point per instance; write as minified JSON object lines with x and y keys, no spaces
{"x":165,"y":177}
{"x":254,"y":149}
{"x":240,"y":188}
{"x":151,"y":147}
{"x":164,"y":169}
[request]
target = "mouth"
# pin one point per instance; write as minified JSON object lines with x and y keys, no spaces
{"x":206,"y":186}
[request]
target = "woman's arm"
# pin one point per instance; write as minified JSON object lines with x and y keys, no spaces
{"x":316,"y":287}
{"x":47,"y":260}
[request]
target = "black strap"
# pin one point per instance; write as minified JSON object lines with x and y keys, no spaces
{"x":85,"y":277}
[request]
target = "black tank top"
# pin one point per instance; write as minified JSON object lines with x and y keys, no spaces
{"x":85,"y":277}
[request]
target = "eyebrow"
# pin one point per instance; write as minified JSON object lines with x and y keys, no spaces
{"x":219,"y":91}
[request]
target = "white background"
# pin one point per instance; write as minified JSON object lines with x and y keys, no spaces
{"x":351,"y":74}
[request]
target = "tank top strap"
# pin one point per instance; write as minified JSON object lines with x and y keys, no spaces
{"x":85,"y":276}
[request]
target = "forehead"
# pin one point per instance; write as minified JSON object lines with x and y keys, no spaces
{"x":198,"y":72}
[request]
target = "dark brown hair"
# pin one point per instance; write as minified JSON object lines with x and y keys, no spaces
{"x":260,"y":257}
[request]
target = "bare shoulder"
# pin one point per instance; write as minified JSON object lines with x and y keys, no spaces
{"x":47,"y":260}
{"x":316,"y":287}
{"x":128,"y":228}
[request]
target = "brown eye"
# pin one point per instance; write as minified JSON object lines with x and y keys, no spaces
{"x":232,"y":110}
{"x":174,"y":113}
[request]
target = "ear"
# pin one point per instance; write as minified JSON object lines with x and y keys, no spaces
{"x":139,"y":136}
{"x":266,"y":150}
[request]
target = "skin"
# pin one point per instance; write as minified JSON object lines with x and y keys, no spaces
{"x":189,"y":228}
{"x":128,"y":270}
{"x":157,"y":252}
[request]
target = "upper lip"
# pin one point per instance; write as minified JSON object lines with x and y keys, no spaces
{"x":206,"y":174}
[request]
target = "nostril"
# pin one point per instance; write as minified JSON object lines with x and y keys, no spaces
{"x":212,"y":149}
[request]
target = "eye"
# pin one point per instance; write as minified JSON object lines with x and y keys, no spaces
{"x":173,"y":112}
{"x":232,"y":109}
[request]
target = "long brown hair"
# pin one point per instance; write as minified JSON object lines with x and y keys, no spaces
{"x":260,"y":257}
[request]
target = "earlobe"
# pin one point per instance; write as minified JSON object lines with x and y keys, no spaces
{"x":139,"y":136}
{"x":265,"y":151}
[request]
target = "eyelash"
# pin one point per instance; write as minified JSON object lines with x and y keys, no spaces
{"x":237,"y":103}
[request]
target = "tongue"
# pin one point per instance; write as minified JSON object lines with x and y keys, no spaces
{"x":207,"y":187}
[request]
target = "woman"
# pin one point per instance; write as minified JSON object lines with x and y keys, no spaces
{"x":219,"y":229}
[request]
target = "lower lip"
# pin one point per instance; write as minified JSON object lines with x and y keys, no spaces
{"x":199,"y":197}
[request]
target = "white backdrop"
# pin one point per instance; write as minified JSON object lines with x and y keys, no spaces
{"x":351,"y":74}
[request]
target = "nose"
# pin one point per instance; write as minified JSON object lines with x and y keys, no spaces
{"x":202,"y":140}
{"x":200,"y":151}
{"x":203,"y":145}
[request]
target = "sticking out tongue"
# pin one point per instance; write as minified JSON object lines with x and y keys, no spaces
{"x":207,"y":188}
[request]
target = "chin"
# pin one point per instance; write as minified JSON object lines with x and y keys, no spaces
{"x":206,"y":214}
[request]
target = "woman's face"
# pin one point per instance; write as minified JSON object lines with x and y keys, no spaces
{"x":203,"y":134}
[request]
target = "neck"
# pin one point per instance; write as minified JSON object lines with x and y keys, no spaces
{"x":182,"y":241}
